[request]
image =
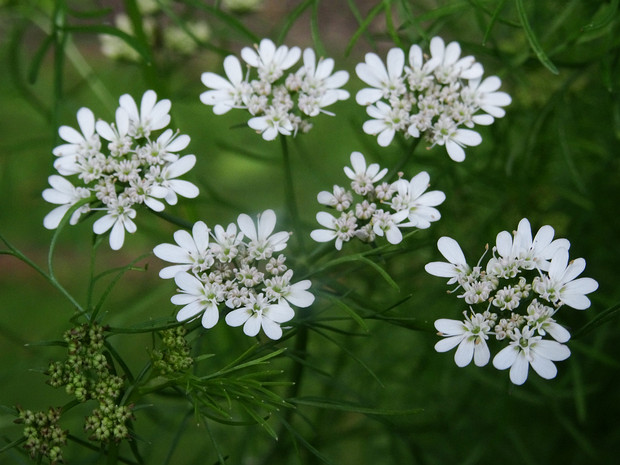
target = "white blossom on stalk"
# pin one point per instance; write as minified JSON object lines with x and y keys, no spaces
{"x":446,"y":132}
{"x":275,"y":121}
{"x":117,"y":135}
{"x":483,"y":94}
{"x":524,"y":350}
{"x":561,"y":287}
{"x":192,"y":252}
{"x":342,"y":229}
{"x":197,"y":297}
{"x":66,"y":195}
{"x":280,"y":288}
{"x":385,"y":81}
{"x":469,"y":335}
{"x":119,"y":218}
{"x":152,"y":116}
{"x":259,"y":313}
{"x":363,"y":177}
{"x":271,"y":61}
{"x":536,"y":253}
{"x":447,"y":64}
{"x":317,"y":81}
{"x":227,"y":242}
{"x":79,"y":145}
{"x":419,"y":204}
{"x":168,"y":179}
{"x":225,"y":94}
{"x":262,"y":243}
{"x":386,"y":121}
{"x":387,"y":224}
{"x":456,"y":268}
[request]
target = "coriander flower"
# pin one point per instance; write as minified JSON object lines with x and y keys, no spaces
{"x":419,"y":204}
{"x":167,"y":180}
{"x":226,"y":94}
{"x":470,"y":336}
{"x":456,"y":268}
{"x":484,"y":95}
{"x":447,"y":64}
{"x":152,"y":116}
{"x":446,"y":132}
{"x":363,"y":177}
{"x":197,"y":297}
{"x":191,"y":253}
{"x":270,"y":61}
{"x":342,"y":229}
{"x":259,"y":313}
{"x":524,"y":350}
{"x":79,"y":145}
{"x":536,"y":253}
{"x":119,"y":219}
{"x":561,"y":287}
{"x":280,"y":288}
{"x":385,"y":223}
{"x":385,"y":81}
{"x":275,"y":121}
{"x":262,"y":243}
{"x":66,"y":195}
{"x":387,"y":120}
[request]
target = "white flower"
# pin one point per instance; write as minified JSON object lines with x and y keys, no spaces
{"x":419,"y":204}
{"x":384,"y":82}
{"x":363,"y":177}
{"x":446,"y":64}
{"x":318,"y":81}
{"x":524,"y":350}
{"x":561,"y":287}
{"x":66,"y":195}
{"x":385,"y":223}
{"x":340,"y":200}
{"x":262,"y":243}
{"x":446,"y":132}
{"x":191,"y":253}
{"x":387,"y":120}
{"x":197,"y":297}
{"x":259,"y":313}
{"x":341,"y":229}
{"x":483,"y":95}
{"x":538,"y":252}
{"x":119,"y":218}
{"x":80,"y":145}
{"x":470,"y":336}
{"x":539,"y":317}
{"x":456,"y":269}
{"x":297,"y":294}
{"x":174,"y":186}
{"x":153,"y":115}
{"x":270,"y":61}
{"x":225,"y":94}
{"x":117,"y":135}
{"x":227,"y":242}
{"x":275,"y":121}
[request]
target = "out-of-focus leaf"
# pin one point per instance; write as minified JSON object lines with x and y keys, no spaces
{"x":603,"y":17}
{"x":331,"y":404}
{"x":533,"y":40}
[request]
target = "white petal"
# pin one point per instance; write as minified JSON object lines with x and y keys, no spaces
{"x":171,"y":253}
{"x":449,"y":327}
{"x":252,"y":325}
{"x":272,"y":330}
{"x":210,"y":316}
{"x":464,"y":353}
{"x":237,"y":317}
{"x":246,"y":225}
{"x":448,"y":343}
{"x":519,"y":369}
{"x":482,"y":354}
{"x":451,"y":250}
{"x":506,"y":357}
{"x":189,"y":311}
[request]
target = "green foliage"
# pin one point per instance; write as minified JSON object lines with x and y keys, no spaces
{"x":355,"y":378}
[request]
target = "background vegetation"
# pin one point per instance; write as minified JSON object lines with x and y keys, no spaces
{"x":369,"y":389}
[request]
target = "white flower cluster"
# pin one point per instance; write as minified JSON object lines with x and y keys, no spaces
{"x":524,"y":285}
{"x":278,"y":103}
{"x":431,"y":97}
{"x":405,"y":204}
{"x":120,"y":165}
{"x":235,"y":269}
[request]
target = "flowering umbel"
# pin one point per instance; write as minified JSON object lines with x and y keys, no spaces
{"x":384,"y":207}
{"x":119,"y":166}
{"x":234,"y":268}
{"x":279,"y":100}
{"x":439,"y":98}
{"x":514,"y":300}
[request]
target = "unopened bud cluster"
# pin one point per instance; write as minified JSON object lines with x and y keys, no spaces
{"x":87,"y":375}
{"x":174,"y":354}
{"x":279,"y":103}
{"x":44,"y":437}
{"x":381,"y":209}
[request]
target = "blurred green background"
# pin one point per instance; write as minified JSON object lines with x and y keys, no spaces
{"x":554,"y":159}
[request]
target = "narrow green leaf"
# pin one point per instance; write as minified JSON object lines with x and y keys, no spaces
{"x":600,"y":318}
{"x":345,"y":406}
{"x":493,"y":20}
{"x":303,"y":441}
{"x":443,"y":11}
{"x":15,"y":443}
{"x":349,"y":311}
{"x":533,"y":40}
{"x":228,"y":19}
{"x":291,"y":18}
{"x":603,"y":17}
{"x":389,"y":23}
{"x":363,"y":27}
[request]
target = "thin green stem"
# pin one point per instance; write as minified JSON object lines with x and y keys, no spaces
{"x":407,"y":154}
{"x":289,"y":193}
